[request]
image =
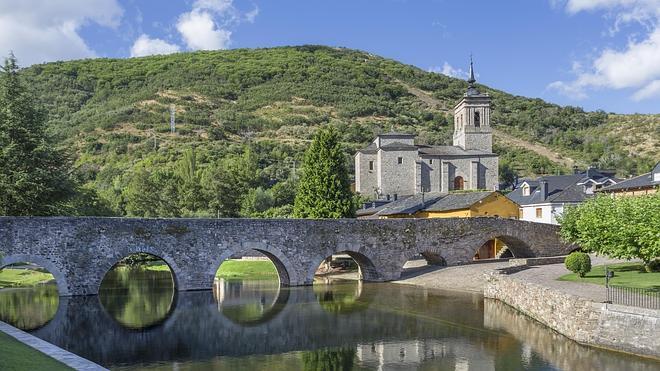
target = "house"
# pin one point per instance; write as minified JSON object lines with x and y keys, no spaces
{"x":640,"y":185}
{"x":393,"y":165}
{"x":543,"y":200}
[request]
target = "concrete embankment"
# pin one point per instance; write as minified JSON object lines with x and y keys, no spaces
{"x":622,"y":328}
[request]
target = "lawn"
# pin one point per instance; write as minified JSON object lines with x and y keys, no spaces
{"x":11,"y":277}
{"x":239,"y":270}
{"x":15,"y":356}
{"x":625,"y":274}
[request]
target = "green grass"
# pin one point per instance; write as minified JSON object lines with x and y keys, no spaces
{"x":625,"y":274}
{"x":11,"y":277}
{"x":238,"y":270}
{"x":15,"y":356}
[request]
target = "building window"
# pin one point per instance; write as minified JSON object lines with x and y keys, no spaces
{"x":477,"y":118}
{"x":458,"y":183}
{"x":525,"y":190}
{"x":371,"y":165}
{"x":431,"y":161}
{"x":399,"y":160}
{"x":539,"y":213}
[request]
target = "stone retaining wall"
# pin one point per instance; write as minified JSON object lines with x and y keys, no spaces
{"x":617,"y":327}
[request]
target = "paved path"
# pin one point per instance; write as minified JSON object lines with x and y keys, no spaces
{"x":462,"y":278}
{"x":471,"y":277}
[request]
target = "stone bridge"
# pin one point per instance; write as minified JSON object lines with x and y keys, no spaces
{"x":80,"y":251}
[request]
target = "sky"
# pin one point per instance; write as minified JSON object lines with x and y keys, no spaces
{"x":596,"y":54}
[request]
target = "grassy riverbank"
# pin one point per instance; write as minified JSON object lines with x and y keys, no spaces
{"x":625,"y":274}
{"x":239,"y":269}
{"x":15,"y":356}
{"x":12,"y":277}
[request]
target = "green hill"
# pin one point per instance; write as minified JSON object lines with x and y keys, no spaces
{"x":113,"y":115}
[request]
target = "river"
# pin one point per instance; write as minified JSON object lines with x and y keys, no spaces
{"x":138,"y":321}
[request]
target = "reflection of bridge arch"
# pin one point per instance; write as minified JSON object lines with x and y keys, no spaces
{"x":84,"y":249}
{"x":342,"y":296}
{"x":250,"y":303}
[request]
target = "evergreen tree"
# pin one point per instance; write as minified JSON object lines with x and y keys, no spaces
{"x":34,"y":178}
{"x":324,"y":190}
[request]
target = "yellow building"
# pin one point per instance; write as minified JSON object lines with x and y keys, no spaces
{"x":451,"y":205}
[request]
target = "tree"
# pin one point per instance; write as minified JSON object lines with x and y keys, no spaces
{"x":624,"y":228}
{"x":34,"y":177}
{"x":324,"y":190}
{"x":227,"y":182}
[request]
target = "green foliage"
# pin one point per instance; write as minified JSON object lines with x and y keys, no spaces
{"x":329,"y":359}
{"x":324,"y":190}
{"x":33,"y":176}
{"x":113,"y":115}
{"x":624,"y":228}
{"x":578,"y":262}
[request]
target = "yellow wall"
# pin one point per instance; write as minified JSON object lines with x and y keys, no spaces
{"x":496,"y":204}
{"x":462,"y":213}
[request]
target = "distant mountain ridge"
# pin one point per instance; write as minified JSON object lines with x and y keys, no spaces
{"x":114,"y":113}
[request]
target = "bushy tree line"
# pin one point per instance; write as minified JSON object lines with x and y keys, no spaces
{"x":623,"y":227}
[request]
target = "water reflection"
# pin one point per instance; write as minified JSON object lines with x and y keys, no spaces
{"x":340,"y":296}
{"x":347,"y":325}
{"x":29,"y":308}
{"x":137,"y":297}
{"x":249,"y":302}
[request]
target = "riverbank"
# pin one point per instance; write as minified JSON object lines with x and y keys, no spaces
{"x":17,"y":356}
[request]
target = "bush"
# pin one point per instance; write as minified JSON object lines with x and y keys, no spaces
{"x":578,"y":262}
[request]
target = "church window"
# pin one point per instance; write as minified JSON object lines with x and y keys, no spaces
{"x":477,"y":118}
{"x":371,"y":165}
{"x":400,"y":160}
{"x":431,"y":161}
{"x":458,"y":183}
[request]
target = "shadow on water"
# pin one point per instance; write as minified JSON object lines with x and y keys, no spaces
{"x":246,"y":325}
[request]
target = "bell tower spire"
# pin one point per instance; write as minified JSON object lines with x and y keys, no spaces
{"x":472,"y":129}
{"x":471,"y":80}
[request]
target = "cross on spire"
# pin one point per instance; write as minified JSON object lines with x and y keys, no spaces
{"x":471,"y":80}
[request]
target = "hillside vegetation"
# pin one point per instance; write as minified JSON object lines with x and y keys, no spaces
{"x":250,"y":114}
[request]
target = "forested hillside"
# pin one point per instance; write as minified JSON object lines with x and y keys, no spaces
{"x":244,"y":118}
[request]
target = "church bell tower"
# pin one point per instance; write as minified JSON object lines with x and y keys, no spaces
{"x":472,"y":129}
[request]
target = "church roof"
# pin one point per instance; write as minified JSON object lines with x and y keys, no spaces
{"x":450,"y":151}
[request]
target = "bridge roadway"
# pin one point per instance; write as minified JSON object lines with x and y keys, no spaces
{"x":80,"y":251}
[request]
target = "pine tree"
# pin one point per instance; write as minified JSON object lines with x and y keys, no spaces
{"x":33,"y":176}
{"x":324,"y":190}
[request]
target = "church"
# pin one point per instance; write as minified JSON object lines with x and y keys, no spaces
{"x":393,"y":165}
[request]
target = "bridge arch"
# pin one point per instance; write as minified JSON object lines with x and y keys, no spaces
{"x":369,"y":270}
{"x":109,"y":263}
{"x":517,"y":246}
{"x":52,"y":267}
{"x":286,"y":274}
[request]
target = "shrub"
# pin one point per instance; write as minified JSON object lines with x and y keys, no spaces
{"x":578,"y":262}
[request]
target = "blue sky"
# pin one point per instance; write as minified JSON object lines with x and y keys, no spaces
{"x":598,"y":54}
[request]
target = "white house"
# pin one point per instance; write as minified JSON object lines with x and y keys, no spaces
{"x":544,"y":199}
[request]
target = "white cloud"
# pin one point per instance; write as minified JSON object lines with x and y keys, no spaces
{"x":208,"y":25}
{"x":651,"y":90}
{"x":200,"y":31}
{"x":45,"y":30}
{"x":449,"y":70}
{"x":145,"y":45}
{"x":636,"y":66}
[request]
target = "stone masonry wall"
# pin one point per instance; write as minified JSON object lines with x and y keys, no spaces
{"x":80,"y":251}
{"x":623,"y":328}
